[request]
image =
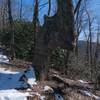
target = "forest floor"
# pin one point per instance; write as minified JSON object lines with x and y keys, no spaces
{"x":18,"y":82}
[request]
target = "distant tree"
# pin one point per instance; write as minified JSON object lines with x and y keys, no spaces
{"x":21,"y":5}
{"x":35,"y":25}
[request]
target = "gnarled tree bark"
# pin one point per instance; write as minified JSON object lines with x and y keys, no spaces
{"x":57,"y":31}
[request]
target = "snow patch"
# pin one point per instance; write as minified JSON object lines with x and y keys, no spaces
{"x":42,"y":97}
{"x":13,"y":94}
{"x":82,"y":81}
{"x":30,"y":74}
{"x":87,"y":93}
{"x":4,"y":59}
{"x":39,"y":96}
{"x":11,"y":80}
{"x":58,"y":97}
{"x":47,"y":88}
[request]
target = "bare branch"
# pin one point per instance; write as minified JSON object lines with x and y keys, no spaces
{"x":77,"y":6}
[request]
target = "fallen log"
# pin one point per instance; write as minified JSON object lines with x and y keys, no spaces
{"x":70,"y":83}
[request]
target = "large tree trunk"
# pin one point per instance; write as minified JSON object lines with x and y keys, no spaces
{"x":58,"y":31}
{"x":37,"y":46}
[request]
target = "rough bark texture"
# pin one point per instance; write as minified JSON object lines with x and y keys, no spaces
{"x":57,"y":31}
{"x":71,"y":83}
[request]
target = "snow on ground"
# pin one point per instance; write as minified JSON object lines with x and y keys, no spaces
{"x":13,"y":94}
{"x":4,"y":59}
{"x":87,"y":93}
{"x":84,"y":82}
{"x":58,"y":97}
{"x":48,"y":88}
{"x":30,"y":74}
{"x":10,"y":80}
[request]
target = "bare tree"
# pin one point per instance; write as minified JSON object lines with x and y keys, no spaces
{"x":77,"y":6}
{"x":3,"y":14}
{"x":96,"y":60}
{"x":35,"y":24}
{"x":21,"y":5}
{"x":10,"y":19}
{"x":78,"y":12}
{"x":90,"y":21}
{"x":49,"y":7}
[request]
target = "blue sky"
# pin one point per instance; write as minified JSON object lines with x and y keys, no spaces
{"x":44,"y":10}
{"x":94,"y":10}
{"x":94,"y":6}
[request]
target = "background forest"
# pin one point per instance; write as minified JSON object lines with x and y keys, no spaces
{"x":49,"y":50}
{"x":17,"y":18}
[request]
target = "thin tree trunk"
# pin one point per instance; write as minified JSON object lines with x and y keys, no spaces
{"x":21,"y":9}
{"x":90,"y":48}
{"x":11,"y":29}
{"x":35,"y":25}
{"x":95,"y":63}
{"x":49,"y":7}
